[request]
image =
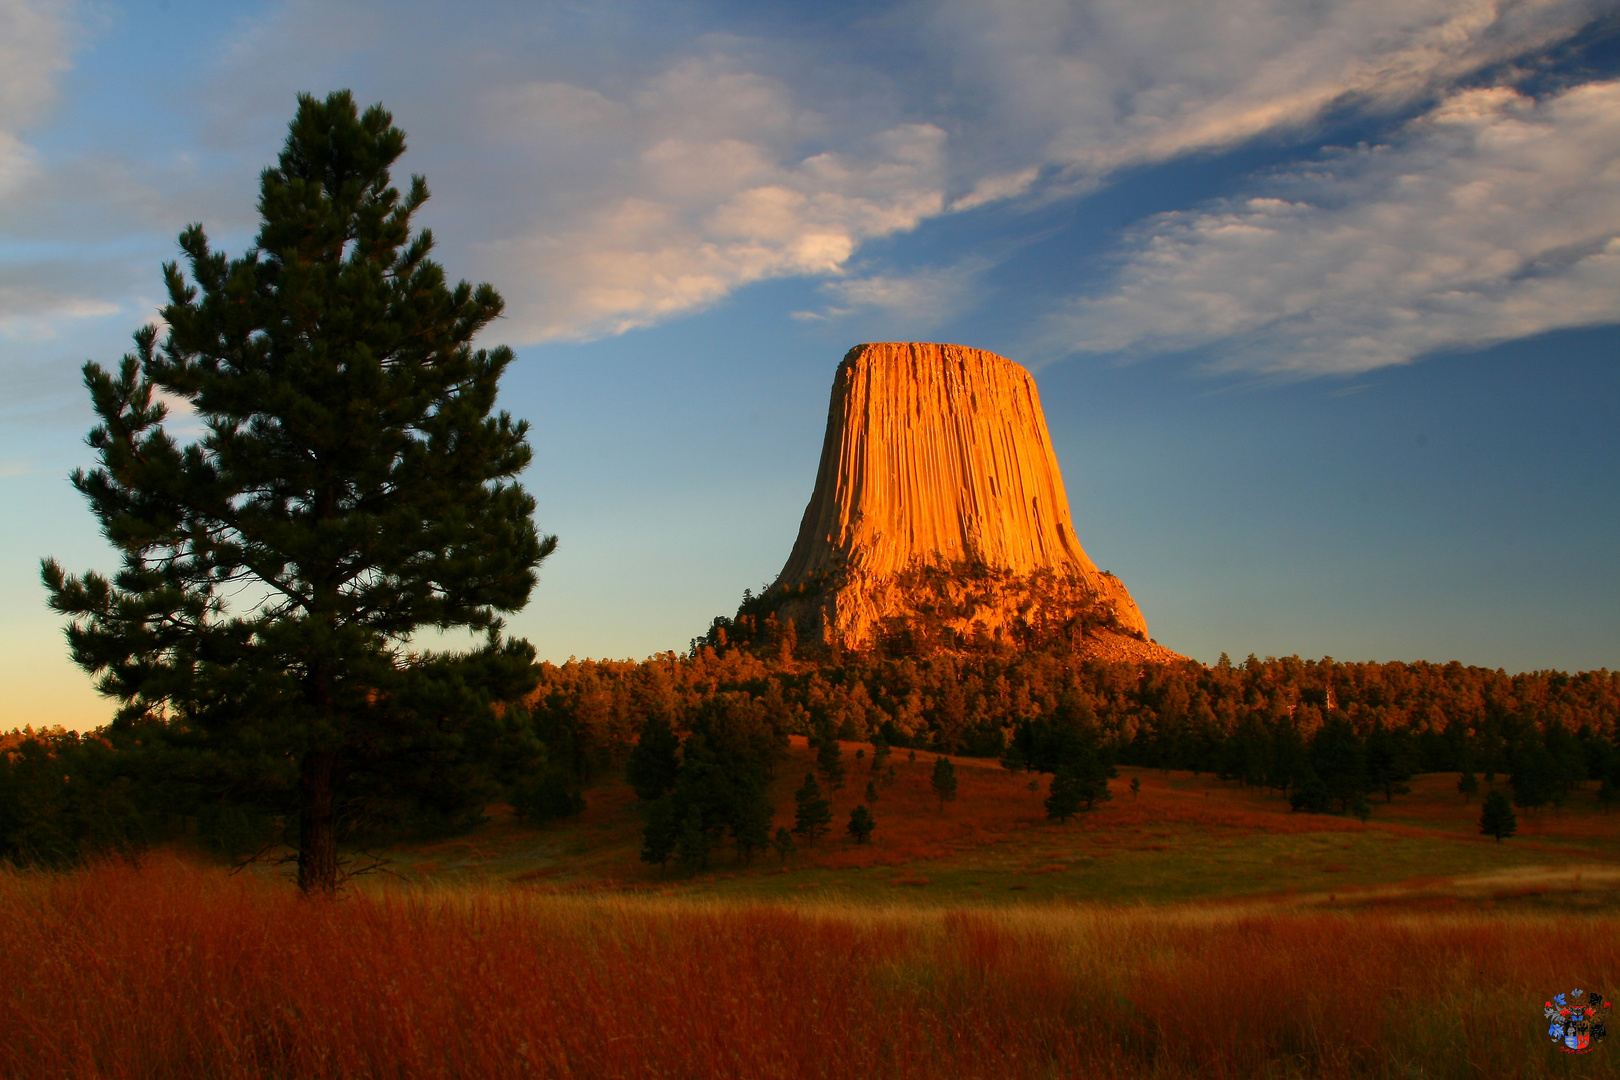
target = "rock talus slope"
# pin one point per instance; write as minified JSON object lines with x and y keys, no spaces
{"x":939,"y":495}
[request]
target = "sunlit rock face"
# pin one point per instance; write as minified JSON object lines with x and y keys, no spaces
{"x":939,"y":501}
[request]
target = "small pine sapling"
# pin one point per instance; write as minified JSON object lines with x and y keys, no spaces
{"x":1136,"y":786}
{"x":658,"y":841}
{"x":880,"y":754}
{"x":812,"y":815}
{"x":830,"y":762}
{"x":871,"y":792}
{"x":783,"y":843}
{"x":548,"y":797}
{"x":692,"y":841}
{"x":861,"y":824}
{"x":1468,"y":786}
{"x":943,"y":781}
{"x":1068,"y":792}
{"x":1496,"y":818}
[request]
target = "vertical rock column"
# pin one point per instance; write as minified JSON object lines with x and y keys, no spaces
{"x":935,"y":456}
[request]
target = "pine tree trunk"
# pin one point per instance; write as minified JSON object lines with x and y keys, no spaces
{"x":317,"y":837}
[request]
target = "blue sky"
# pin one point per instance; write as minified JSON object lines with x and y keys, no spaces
{"x":1323,"y":300}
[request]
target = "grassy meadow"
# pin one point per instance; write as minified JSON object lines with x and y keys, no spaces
{"x":1194,"y":930}
{"x":1182,"y":838}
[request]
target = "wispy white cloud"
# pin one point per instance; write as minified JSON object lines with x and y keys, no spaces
{"x":1094,"y":87}
{"x":700,"y":186}
{"x":663,"y":179}
{"x":710,"y":190}
{"x":996,"y":188}
{"x":34,"y":315}
{"x":908,"y":302}
{"x":1492,"y":217}
{"x":33,"y":51}
{"x":41,"y":298}
{"x":607,"y":177}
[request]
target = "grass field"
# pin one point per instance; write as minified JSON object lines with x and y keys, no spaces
{"x":1197,"y":930}
{"x":171,"y":970}
{"x":1183,"y":838}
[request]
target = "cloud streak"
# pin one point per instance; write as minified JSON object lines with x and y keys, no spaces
{"x":709,"y":191}
{"x":610,"y":179}
{"x":1099,"y":86}
{"x":1492,"y":217}
{"x":702,"y":187}
{"x":911,"y":302}
{"x":33,"y":51}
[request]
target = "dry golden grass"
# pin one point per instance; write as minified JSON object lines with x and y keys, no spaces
{"x":167,"y":969}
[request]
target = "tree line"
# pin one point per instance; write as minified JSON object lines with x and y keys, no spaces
{"x":1240,"y":721}
{"x":1330,"y":735}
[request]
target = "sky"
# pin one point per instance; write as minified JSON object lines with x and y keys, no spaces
{"x":1323,"y":300}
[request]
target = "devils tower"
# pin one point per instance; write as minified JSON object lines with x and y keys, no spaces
{"x":939,"y":508}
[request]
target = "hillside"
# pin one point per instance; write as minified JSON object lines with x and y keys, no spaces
{"x":1182,"y":838}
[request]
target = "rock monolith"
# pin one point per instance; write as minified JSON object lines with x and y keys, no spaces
{"x":939,"y":510}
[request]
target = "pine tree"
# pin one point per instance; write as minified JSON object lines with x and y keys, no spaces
{"x":550,"y":795}
{"x":351,"y":487}
{"x":654,"y":765}
{"x":1467,"y":785}
{"x":658,"y":839}
{"x":1496,"y":817}
{"x":1311,"y":795}
{"x":943,"y":781}
{"x":1339,"y":759}
{"x":1569,"y":760}
{"x":1093,"y":772}
{"x":1390,"y":761}
{"x":726,"y":768}
{"x":880,"y":754}
{"x":1535,"y":779}
{"x":783,"y":843}
{"x":1068,"y":791}
{"x":692,"y":840}
{"x":812,"y":815}
{"x":1136,"y":786}
{"x":751,"y":819}
{"x":871,"y":792}
{"x":1020,"y":748}
{"x":830,"y":761}
{"x":1610,"y":786}
{"x":861,"y":824}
